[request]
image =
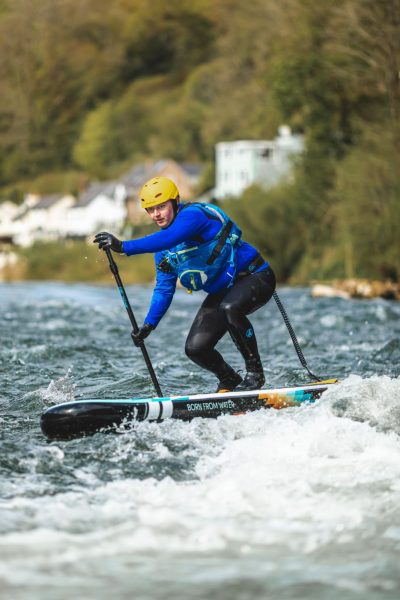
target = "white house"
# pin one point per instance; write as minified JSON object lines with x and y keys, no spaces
{"x":41,"y":219}
{"x":45,"y":220}
{"x":101,"y":206}
{"x":242,"y":163}
{"x":8,"y":212}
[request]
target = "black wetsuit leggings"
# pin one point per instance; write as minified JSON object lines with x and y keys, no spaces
{"x":226,"y":311}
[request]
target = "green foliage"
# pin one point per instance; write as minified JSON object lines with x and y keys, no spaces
{"x":368,"y":207}
{"x":12,"y":193}
{"x":55,"y":65}
{"x":56,"y":182}
{"x":78,"y":261}
{"x":95,"y":148}
{"x":331,"y":223}
{"x":275,"y":222}
{"x":207,"y":180}
{"x":53,"y":182}
{"x":102,"y":85}
{"x":166,"y":37}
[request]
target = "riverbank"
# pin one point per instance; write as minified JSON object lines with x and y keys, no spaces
{"x":357,"y":288}
{"x":71,"y":262}
{"x":77,"y":261}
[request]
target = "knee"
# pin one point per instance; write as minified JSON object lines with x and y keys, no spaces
{"x":193,"y":348}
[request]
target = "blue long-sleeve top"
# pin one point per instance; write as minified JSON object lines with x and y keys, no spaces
{"x":190,"y":225}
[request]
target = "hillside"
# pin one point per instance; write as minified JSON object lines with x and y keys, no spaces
{"x":88,"y":87}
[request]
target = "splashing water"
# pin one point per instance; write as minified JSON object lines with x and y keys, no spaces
{"x":60,"y":390}
{"x":297,"y":503}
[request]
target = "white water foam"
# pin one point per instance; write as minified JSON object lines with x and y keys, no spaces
{"x":308,"y":485}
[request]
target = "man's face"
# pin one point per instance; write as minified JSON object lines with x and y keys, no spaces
{"x":162,"y":214}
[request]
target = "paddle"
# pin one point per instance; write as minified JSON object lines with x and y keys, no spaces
{"x":115,"y":272}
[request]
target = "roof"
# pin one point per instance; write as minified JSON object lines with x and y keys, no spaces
{"x":245,"y":144}
{"x":95,"y":189}
{"x":47,"y":201}
{"x":192,"y":169}
{"x":139,"y":174}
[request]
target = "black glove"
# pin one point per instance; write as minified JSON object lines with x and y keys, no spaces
{"x":142,"y":333}
{"x":108,"y":241}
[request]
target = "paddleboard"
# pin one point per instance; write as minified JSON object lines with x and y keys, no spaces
{"x":86,"y":417}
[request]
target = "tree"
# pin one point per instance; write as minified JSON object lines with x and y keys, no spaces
{"x":53,"y":67}
{"x":165,"y":37}
{"x":368,"y":206}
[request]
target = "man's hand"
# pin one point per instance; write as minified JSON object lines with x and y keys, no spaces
{"x":107,"y":241}
{"x":142,"y":333}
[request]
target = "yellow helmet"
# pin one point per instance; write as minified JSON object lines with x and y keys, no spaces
{"x":158,"y":190}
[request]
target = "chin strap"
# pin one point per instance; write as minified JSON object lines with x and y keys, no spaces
{"x":293,"y":337}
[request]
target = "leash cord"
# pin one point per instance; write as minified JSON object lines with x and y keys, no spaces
{"x":293,"y":336}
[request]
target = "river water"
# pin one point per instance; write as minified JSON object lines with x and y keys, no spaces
{"x":298,"y":503}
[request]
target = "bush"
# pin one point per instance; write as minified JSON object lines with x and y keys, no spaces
{"x":73,"y":261}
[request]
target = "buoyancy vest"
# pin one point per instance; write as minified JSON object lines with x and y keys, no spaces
{"x":208,"y":266}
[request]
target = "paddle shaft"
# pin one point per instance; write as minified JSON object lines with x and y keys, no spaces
{"x":115,"y":272}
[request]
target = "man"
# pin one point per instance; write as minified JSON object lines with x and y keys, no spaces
{"x":200,"y":244}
